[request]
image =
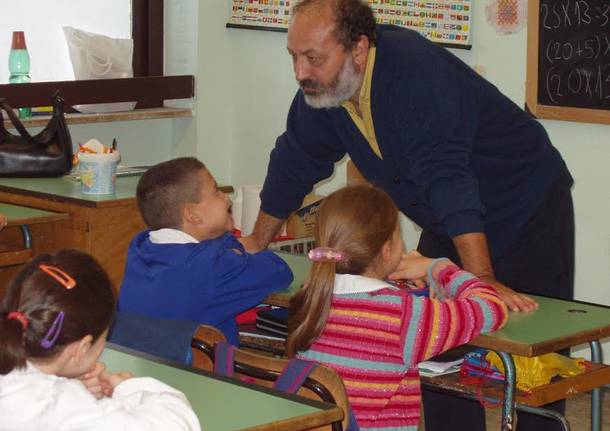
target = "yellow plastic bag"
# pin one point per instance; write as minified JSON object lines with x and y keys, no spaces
{"x":539,"y":370}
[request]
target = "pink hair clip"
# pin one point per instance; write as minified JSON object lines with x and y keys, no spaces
{"x":326,"y":254}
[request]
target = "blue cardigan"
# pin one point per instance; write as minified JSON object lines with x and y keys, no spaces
{"x":206,"y":282}
{"x":458,"y":155}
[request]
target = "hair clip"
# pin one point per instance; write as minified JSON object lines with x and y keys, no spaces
{"x":16,"y":315}
{"x":64,"y":279}
{"x":326,"y":254}
{"x":53,"y":332}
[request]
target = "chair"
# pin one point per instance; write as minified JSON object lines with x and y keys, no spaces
{"x":323,"y":384}
{"x":168,"y":339}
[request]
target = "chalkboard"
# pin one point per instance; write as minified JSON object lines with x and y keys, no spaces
{"x":568,"y":61}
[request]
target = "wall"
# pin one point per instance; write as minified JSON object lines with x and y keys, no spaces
{"x":252,"y":72}
{"x":244,"y":88}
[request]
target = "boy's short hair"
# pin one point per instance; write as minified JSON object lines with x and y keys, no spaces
{"x":165,"y":188}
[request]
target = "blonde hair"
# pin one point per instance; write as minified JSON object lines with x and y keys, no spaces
{"x":357,"y":221}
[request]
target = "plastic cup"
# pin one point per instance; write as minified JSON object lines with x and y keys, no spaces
{"x":98,"y":172}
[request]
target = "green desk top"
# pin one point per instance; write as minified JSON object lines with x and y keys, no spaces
{"x":555,"y":325}
{"x":220,"y":403}
{"x":69,"y":189}
{"x":18,"y":215}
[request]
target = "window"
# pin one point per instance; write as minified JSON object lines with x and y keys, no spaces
{"x":148,"y":87}
{"x":42,"y":22}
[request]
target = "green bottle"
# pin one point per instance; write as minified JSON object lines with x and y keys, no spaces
{"x":19,"y":66}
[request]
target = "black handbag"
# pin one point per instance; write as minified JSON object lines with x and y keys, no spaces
{"x":47,"y":154}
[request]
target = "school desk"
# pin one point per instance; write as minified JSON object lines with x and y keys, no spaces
{"x":17,"y":248}
{"x":100,"y":225}
{"x":554,"y":326}
{"x":223,"y":403}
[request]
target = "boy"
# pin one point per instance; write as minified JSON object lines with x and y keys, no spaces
{"x":188,"y":266}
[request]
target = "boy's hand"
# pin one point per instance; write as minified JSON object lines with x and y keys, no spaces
{"x":91,"y":380}
{"x":109,"y":381}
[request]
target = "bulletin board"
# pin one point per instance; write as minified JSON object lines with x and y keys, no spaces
{"x":447,"y":22}
{"x":568,"y":60}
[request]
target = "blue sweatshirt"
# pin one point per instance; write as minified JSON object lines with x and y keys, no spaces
{"x":458,"y":155}
{"x":206,"y":282}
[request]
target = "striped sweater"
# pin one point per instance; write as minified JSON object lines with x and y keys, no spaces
{"x":376,"y":334}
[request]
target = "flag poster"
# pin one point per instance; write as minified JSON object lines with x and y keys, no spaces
{"x":441,"y":21}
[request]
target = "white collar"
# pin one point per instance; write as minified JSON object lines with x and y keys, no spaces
{"x":170,"y":236}
{"x":348,"y":283}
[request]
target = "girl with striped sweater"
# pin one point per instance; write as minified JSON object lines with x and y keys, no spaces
{"x":373,"y":333}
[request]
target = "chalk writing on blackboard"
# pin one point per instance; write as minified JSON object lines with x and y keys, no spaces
{"x":574,"y":53}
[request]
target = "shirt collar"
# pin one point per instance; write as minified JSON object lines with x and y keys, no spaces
{"x":170,"y":236}
{"x":349,"y":283}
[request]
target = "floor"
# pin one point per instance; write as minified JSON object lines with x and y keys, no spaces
{"x":578,"y":413}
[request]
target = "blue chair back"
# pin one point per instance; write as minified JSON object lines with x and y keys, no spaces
{"x":167,"y":339}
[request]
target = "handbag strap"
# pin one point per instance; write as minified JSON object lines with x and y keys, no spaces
{"x":14,"y":119}
{"x":294,"y":375}
{"x":290,"y":380}
{"x":224,"y":358}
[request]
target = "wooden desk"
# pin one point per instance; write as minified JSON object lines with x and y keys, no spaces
{"x":18,"y":215}
{"x":100,"y":225}
{"x":16,"y":247}
{"x":227,"y":404}
{"x":554,"y":326}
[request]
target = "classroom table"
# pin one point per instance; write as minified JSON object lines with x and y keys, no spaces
{"x":101,"y":225}
{"x":556,"y":325}
{"x":223,"y":403}
{"x":24,"y":217}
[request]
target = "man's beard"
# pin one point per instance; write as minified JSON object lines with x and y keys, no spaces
{"x":341,"y":88}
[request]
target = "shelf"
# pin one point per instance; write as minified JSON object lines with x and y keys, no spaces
{"x":138,"y":114}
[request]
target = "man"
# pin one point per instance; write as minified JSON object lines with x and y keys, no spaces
{"x":476,"y":172}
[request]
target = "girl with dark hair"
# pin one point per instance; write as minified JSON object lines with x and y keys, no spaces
{"x":54,"y":319}
{"x":373,"y":333}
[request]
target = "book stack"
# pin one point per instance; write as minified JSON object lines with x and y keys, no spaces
{"x":274,"y":320}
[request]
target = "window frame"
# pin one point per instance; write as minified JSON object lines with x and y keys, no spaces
{"x":148,"y":86}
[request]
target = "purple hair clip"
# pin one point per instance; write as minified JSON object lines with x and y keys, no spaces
{"x":326,"y":254}
{"x":53,"y":332}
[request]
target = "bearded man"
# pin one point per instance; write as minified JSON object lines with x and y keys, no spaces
{"x":459,"y":158}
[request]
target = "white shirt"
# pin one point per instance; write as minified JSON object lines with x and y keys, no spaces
{"x":349,"y":283}
{"x":32,"y":400}
{"x":170,"y":236}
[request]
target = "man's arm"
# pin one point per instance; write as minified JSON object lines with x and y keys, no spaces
{"x":474,"y":253}
{"x":265,"y":229}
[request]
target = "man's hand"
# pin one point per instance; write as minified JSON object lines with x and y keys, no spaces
{"x":251,"y":244}
{"x":2,"y":221}
{"x":265,"y":229}
{"x":515,"y":301}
